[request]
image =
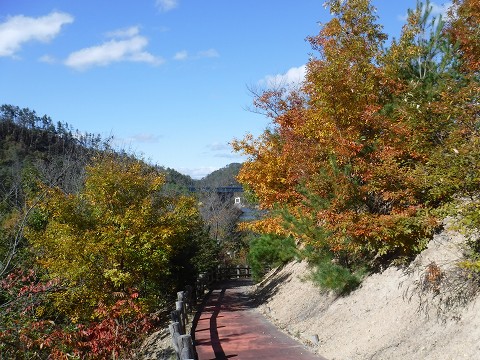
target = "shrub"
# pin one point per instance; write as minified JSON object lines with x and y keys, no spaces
{"x":31,"y":328}
{"x":330,"y":275}
{"x":269,"y":251}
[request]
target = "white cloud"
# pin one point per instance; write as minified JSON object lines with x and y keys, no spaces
{"x":47,"y":59}
{"x":124,"y":33}
{"x":403,"y":18}
{"x":184,"y":55}
{"x":232,"y":156}
{"x":166,"y":5}
{"x":436,"y":10}
{"x":210,"y":53}
{"x":293,"y":77}
{"x":126,"y":45}
{"x":130,"y":144}
{"x":143,"y":138}
{"x":218,"y":146}
{"x":181,"y":55}
{"x":146,"y":57}
{"x":20,"y":29}
{"x":440,"y":9}
{"x":224,"y":151}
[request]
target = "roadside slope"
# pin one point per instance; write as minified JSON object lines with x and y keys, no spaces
{"x":388,"y":317}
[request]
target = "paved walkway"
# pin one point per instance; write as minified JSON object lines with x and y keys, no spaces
{"x":229,"y":327}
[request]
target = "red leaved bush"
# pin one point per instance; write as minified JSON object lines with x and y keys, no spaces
{"x":30,"y":328}
{"x":120,"y":326}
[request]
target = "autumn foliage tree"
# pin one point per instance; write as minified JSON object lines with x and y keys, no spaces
{"x":102,"y":263}
{"x":463,"y":29}
{"x":117,"y":236}
{"x":352,"y":164}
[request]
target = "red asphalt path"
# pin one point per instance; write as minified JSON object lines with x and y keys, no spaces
{"x":228,"y":327}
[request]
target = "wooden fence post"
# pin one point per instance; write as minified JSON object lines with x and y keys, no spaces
{"x":182,"y":343}
{"x":185,"y":345}
{"x":210,"y":280}
{"x":175,"y":334}
{"x":187,"y":299}
{"x":201,"y":285}
{"x":182,"y":296}
{"x":180,"y":307}
{"x":190,"y":298}
{"x":176,"y":317}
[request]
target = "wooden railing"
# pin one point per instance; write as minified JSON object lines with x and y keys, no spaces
{"x":206,"y":280}
{"x":187,"y":300}
{"x":181,"y":341}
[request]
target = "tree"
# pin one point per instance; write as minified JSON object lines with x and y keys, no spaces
{"x":95,"y":260}
{"x":464,"y":30}
{"x":220,"y":215}
{"x":455,"y":170}
{"x":118,"y":235}
{"x":350,"y":155}
{"x":31,"y":151}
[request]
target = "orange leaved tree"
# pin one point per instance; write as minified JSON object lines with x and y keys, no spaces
{"x":349,"y":158}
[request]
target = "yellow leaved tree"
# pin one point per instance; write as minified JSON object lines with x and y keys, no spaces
{"x":120,"y":236}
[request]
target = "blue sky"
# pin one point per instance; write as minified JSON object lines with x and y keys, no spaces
{"x":168,"y":79}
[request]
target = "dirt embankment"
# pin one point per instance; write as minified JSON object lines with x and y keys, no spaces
{"x":411,"y":313}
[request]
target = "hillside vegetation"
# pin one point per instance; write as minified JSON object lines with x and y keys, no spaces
{"x":226,"y":176}
{"x":379,"y":143}
{"x":93,"y":241}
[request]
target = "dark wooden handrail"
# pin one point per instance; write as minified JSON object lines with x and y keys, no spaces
{"x":207,"y":279}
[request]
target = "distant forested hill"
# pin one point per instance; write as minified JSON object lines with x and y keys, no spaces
{"x":55,"y":150}
{"x":226,"y":176}
{"x":33,"y":146}
{"x":57,"y":153}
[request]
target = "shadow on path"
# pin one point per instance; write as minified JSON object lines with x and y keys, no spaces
{"x":227,"y":326}
{"x":215,"y":339}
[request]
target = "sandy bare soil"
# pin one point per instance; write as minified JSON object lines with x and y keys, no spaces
{"x":391,"y":316}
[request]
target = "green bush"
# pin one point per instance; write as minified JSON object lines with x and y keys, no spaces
{"x":332,"y":276}
{"x":269,"y":251}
